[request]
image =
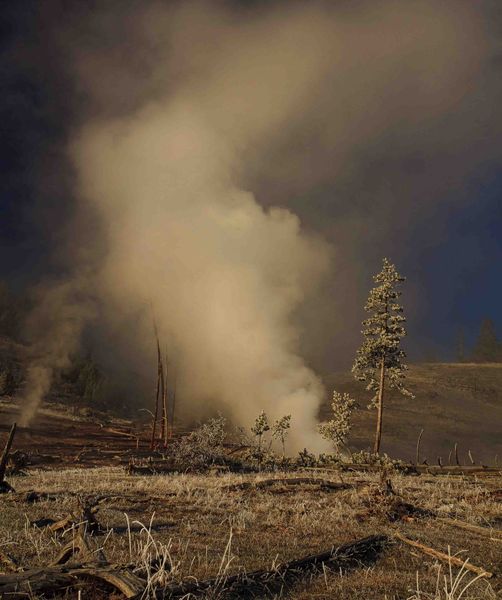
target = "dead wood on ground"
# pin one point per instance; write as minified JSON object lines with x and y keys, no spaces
{"x":442,"y":556}
{"x":50,"y":579}
{"x":323,"y":483}
{"x":243,"y":585}
{"x":494,"y":534}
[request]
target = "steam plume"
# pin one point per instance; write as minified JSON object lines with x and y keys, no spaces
{"x":55,"y":327}
{"x":192,"y":107}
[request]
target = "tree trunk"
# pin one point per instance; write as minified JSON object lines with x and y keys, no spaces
{"x":5,"y":454}
{"x":378,"y":435}
{"x":157,"y":393}
{"x":165,"y":411}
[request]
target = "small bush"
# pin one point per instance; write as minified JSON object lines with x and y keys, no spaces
{"x":201,"y":448}
{"x":364,"y":457}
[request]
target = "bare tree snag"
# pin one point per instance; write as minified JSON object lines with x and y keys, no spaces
{"x":442,"y":556}
{"x":417,"y":454}
{"x":4,"y":486}
{"x":157,"y":393}
{"x":165,"y":413}
{"x":456,"y":454}
{"x":173,"y":401}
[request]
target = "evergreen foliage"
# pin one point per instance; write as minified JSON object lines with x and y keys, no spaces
{"x":280,"y":430}
{"x":338,"y":428}
{"x":260,"y":427}
{"x":379,"y":361}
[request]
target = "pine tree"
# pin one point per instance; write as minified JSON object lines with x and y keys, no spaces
{"x":338,"y":428}
{"x":487,"y":348}
{"x":280,"y":431}
{"x":379,"y":361}
{"x":260,"y":427}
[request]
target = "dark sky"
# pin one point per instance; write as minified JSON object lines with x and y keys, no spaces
{"x":450,"y":252}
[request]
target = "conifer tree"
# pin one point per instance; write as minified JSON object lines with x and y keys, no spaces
{"x":337,"y":429}
{"x":487,"y":348}
{"x":379,"y":361}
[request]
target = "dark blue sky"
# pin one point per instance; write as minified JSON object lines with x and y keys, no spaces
{"x":459,"y":271}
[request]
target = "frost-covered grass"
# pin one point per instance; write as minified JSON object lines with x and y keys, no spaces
{"x":196,"y":525}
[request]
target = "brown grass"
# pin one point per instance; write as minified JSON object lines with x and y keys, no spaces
{"x":204,"y":530}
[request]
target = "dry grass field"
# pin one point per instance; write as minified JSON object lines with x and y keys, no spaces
{"x":189,"y":528}
{"x":454,"y":402}
{"x":198,"y":527}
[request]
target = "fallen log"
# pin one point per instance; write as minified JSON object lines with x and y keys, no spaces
{"x":494,"y":534}
{"x":409,"y":469}
{"x":153,"y":469}
{"x":126,"y":434}
{"x":442,"y":556}
{"x":50,"y":579}
{"x":80,"y":544}
{"x":323,"y":483}
{"x":46,"y":580}
{"x":347,"y":556}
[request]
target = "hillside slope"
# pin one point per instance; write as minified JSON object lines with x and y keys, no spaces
{"x":454,"y":402}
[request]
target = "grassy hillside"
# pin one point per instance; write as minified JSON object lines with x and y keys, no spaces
{"x":454,"y":403}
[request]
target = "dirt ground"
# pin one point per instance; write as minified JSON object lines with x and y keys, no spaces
{"x":68,"y":439}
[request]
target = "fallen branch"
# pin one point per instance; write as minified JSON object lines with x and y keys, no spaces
{"x":121,"y":433}
{"x":152,"y":469}
{"x":359,"y":553}
{"x":493,"y":534}
{"x":442,"y":556}
{"x":323,"y":483}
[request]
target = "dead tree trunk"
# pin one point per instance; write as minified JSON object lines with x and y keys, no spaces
{"x":244,"y":585}
{"x":173,"y":401}
{"x":156,"y":414}
{"x":165,"y":414}
{"x":417,"y":456}
{"x":4,"y":486}
{"x":159,"y":389}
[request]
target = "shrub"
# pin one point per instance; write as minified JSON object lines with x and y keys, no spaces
{"x":202,"y":447}
{"x":364,"y":457}
{"x":338,"y":428}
